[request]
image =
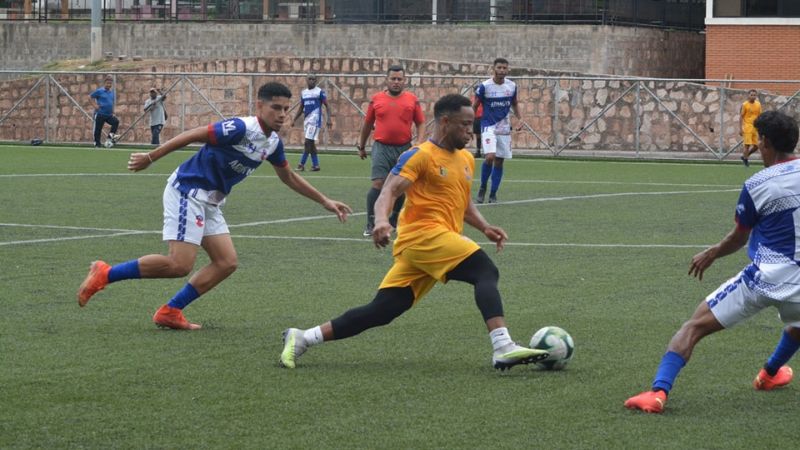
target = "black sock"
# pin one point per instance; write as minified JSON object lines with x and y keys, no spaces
{"x":372,"y":197}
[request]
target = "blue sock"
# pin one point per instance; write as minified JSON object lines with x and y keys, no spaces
{"x":125,"y":271}
{"x":183,"y":297}
{"x":304,"y":158}
{"x":315,"y":160}
{"x":671,"y":365}
{"x":497,"y":175}
{"x":783,"y":352}
{"x":486,"y":171}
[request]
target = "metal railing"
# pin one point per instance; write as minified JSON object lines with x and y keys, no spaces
{"x":640,"y":117}
{"x":678,"y":14}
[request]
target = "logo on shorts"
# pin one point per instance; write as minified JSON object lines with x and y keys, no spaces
{"x":488,"y":141}
{"x":198,"y":220}
{"x":443,"y":171}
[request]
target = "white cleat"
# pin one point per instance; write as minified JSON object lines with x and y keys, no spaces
{"x":513,"y":354}
{"x":294,"y":345}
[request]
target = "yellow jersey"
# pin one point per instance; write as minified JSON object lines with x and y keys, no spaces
{"x":438,"y":196}
{"x":750,"y":111}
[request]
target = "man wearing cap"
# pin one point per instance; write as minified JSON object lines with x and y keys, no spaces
{"x":155,"y":106}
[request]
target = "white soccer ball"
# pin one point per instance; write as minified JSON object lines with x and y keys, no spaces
{"x":109,"y":143}
{"x":558,"y":343}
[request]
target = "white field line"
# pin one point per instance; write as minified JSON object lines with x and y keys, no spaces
{"x":616,"y":194}
{"x":331,"y":177}
{"x":72,"y":238}
{"x":489,"y":244}
{"x":344,"y":154}
{"x":126,"y":232}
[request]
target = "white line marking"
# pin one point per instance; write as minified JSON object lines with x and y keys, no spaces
{"x":512,"y":244}
{"x":618,"y":194}
{"x":294,"y":219}
{"x":124,"y":232}
{"x":71,"y":238}
{"x":66,"y":227}
{"x":331,"y":177}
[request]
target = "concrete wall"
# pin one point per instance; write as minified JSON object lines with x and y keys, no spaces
{"x":556,"y":109}
{"x":571,"y":48}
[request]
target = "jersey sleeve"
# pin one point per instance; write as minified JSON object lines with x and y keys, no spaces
{"x":278,"y":157}
{"x":95,"y":93}
{"x":480,"y":92}
{"x":419,"y":116}
{"x":411,"y":164}
{"x":370,"y":117}
{"x":746,"y":213}
{"x":226,"y":132}
{"x":322,"y":97}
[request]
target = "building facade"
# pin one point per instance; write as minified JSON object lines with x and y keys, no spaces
{"x":754,"y":40}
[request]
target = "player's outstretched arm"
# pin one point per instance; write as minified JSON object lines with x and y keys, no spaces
{"x":141,"y":161}
{"x":394,"y":187}
{"x":736,"y":239}
{"x":494,"y":233}
{"x":303,"y":187}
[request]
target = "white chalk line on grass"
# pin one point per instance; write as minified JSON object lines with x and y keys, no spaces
{"x":126,"y":232}
{"x":491,"y":244}
{"x":333,"y":177}
{"x":73,"y":238}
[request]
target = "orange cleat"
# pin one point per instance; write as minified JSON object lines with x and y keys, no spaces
{"x":648,"y":401}
{"x":170,"y":317}
{"x":764,"y":382}
{"x":95,"y":281}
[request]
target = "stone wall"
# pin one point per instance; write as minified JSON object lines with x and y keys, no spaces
{"x":557,"y":109}
{"x":575,"y":48}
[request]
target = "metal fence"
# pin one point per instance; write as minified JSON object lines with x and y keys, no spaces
{"x":613,"y":116}
{"x":680,"y":14}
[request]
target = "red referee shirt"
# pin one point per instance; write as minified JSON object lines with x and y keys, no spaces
{"x":393,"y":117}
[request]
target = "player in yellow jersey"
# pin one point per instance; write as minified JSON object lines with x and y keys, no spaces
{"x":751,"y":109}
{"x":436,"y":178}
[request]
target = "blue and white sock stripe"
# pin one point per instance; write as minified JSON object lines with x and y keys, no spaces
{"x":182,"y":211}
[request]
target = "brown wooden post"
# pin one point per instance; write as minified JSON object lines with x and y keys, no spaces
{"x":265,"y":9}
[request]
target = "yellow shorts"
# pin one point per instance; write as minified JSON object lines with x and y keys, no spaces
{"x":750,"y":135}
{"x":422,"y":265}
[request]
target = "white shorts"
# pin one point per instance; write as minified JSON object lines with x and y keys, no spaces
{"x":499,"y":144}
{"x":734,"y":301}
{"x":311,"y":131}
{"x":187,"y":219}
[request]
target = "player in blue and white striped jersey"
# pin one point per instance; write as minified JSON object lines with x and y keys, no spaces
{"x":313,"y":98}
{"x":768,"y":213}
{"x":498,"y":96}
{"x":195,"y":192}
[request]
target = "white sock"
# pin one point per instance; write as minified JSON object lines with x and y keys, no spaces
{"x":313,"y":336}
{"x":500,"y":338}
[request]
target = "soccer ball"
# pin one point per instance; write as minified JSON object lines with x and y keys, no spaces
{"x":558,"y":343}
{"x":109,"y":143}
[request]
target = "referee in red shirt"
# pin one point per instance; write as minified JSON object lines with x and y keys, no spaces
{"x":391,"y":112}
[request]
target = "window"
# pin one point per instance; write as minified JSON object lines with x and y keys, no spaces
{"x":756,"y":8}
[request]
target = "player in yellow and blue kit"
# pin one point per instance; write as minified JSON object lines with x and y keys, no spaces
{"x":436,"y":178}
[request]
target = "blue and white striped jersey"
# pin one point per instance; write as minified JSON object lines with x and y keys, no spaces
{"x":769,"y":206}
{"x":312,"y":106}
{"x":235,"y":148}
{"x":497,"y":100}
